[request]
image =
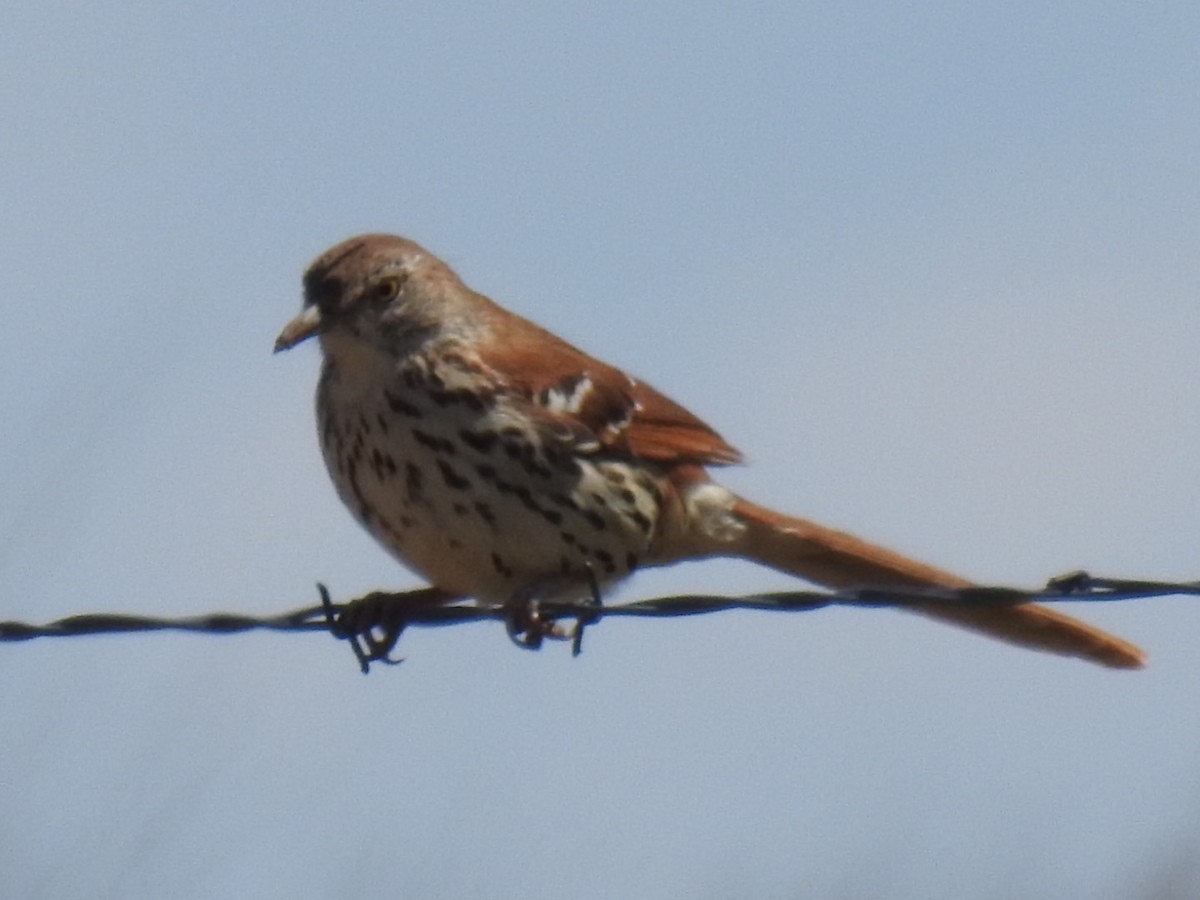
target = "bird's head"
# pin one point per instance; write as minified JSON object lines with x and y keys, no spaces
{"x":375,"y":288}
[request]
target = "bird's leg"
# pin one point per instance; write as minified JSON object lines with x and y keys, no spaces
{"x":528,"y":626}
{"x":379,"y":618}
{"x":593,"y":615}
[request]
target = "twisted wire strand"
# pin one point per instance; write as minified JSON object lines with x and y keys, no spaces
{"x":373,"y":623}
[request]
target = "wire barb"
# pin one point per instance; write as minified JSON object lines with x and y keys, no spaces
{"x":584,"y":620}
{"x":374,"y":623}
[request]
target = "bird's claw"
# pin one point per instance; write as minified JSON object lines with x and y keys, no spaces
{"x":528,"y":627}
{"x":373,"y":623}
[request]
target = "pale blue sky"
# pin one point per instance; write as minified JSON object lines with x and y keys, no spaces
{"x":933,"y":267}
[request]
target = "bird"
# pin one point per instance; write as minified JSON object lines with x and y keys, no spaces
{"x":504,"y":465}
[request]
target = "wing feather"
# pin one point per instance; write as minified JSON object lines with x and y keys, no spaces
{"x":625,"y":416}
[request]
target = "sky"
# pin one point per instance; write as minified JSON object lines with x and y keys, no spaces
{"x":932,"y":267}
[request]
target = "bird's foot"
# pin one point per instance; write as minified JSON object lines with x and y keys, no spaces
{"x":374,"y":622}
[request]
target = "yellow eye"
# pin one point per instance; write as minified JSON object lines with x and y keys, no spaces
{"x":387,"y":288}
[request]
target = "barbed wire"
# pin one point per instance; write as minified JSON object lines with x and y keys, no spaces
{"x":373,"y":623}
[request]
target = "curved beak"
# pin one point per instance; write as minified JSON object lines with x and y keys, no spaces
{"x":300,"y":329}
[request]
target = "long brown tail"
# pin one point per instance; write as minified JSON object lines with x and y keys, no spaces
{"x":838,"y":560}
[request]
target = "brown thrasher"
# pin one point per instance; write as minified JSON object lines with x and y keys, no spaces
{"x":503,"y":464}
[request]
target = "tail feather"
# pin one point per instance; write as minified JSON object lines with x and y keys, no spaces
{"x":841,"y":561}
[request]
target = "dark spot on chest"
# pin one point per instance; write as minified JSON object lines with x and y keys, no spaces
{"x":453,"y":480}
{"x":501,"y":566}
{"x":485,"y":512}
{"x":433,"y":442}
{"x":595,"y":519}
{"x":402,"y":406}
{"x":641,"y":521}
{"x":605,"y":559}
{"x":382,"y":464}
{"x":413,"y":480}
{"x":329,"y":430}
{"x":526,"y":497}
{"x":461,"y":397}
{"x":649,"y":484}
{"x":479,"y":441}
{"x":562,"y":461}
{"x":362,"y":507}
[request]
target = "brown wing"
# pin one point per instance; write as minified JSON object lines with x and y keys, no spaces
{"x":623,"y":414}
{"x":662,"y":429}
